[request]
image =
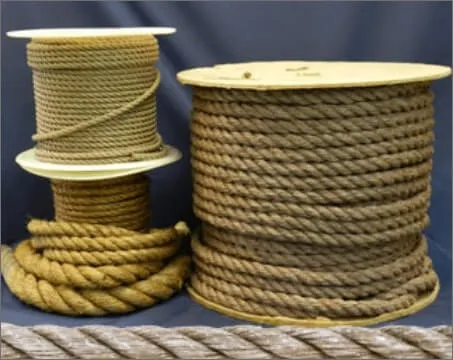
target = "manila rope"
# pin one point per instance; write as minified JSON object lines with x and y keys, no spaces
{"x":313,"y":201}
{"x":95,"y":104}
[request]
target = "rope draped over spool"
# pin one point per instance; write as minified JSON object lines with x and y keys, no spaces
{"x":237,"y":342}
{"x":95,"y":99}
{"x":313,"y":201}
{"x":97,"y":258}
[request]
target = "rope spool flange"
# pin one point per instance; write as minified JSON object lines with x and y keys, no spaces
{"x":97,"y":136}
{"x":313,"y":184}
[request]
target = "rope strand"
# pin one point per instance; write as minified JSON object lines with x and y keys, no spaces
{"x":237,"y":342}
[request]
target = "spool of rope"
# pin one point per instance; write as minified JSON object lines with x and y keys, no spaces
{"x":313,"y":201}
{"x":98,"y":88}
{"x":97,"y":258}
{"x":95,"y":105}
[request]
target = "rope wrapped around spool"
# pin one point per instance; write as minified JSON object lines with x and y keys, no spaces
{"x":313,"y":203}
{"x":95,"y":99}
{"x":97,"y":258}
{"x":121,"y":202}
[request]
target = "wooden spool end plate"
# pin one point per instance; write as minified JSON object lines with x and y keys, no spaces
{"x":281,"y":75}
{"x":27,"y":160}
{"x":62,"y":33}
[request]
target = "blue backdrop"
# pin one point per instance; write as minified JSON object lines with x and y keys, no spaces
{"x":211,"y":33}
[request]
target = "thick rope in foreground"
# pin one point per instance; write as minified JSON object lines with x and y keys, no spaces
{"x":85,"y":269}
{"x":95,"y":99}
{"x":99,"y":256}
{"x":313,"y":202}
{"x":239,"y":342}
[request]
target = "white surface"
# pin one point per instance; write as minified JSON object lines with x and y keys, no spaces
{"x":28,"y":162}
{"x":276,"y":75}
{"x":89,"y":32}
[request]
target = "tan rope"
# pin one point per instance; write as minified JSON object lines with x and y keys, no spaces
{"x":313,"y":201}
{"x":238,"y":342}
{"x":102,"y":282}
{"x":122,"y":202}
{"x":99,"y":256}
{"x":95,"y":99}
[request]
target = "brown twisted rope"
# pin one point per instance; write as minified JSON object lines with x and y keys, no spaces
{"x":238,"y":342}
{"x":98,"y":257}
{"x":122,"y":202}
{"x":95,"y":99}
{"x":313,"y":202}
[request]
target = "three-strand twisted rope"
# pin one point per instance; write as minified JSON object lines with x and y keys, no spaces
{"x":122,"y":202}
{"x":95,"y":104}
{"x":76,"y":266}
{"x":95,"y":99}
{"x":238,"y":342}
{"x":313,"y":201}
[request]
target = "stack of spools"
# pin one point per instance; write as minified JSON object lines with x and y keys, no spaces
{"x":96,"y":137}
{"x":313,"y":184}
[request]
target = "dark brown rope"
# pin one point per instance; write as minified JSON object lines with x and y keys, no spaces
{"x":313,"y":201}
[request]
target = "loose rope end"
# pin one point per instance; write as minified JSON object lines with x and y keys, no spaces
{"x":182,"y":228}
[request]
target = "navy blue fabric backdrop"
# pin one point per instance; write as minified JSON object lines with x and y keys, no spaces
{"x":210,"y":33}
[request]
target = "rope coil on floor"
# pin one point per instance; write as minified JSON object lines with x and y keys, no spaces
{"x":98,"y":258}
{"x":237,"y":342}
{"x":95,"y":99}
{"x":313,"y":202}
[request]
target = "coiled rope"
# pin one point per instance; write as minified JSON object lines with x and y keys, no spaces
{"x":95,"y":103}
{"x":238,"y":342}
{"x":122,"y":202}
{"x":313,"y":202}
{"x":97,"y":258}
{"x":95,"y":99}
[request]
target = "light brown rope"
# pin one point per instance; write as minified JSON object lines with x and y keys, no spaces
{"x":95,"y":283}
{"x":95,"y":99}
{"x":313,"y":201}
{"x":238,"y":342}
{"x":99,"y":256}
